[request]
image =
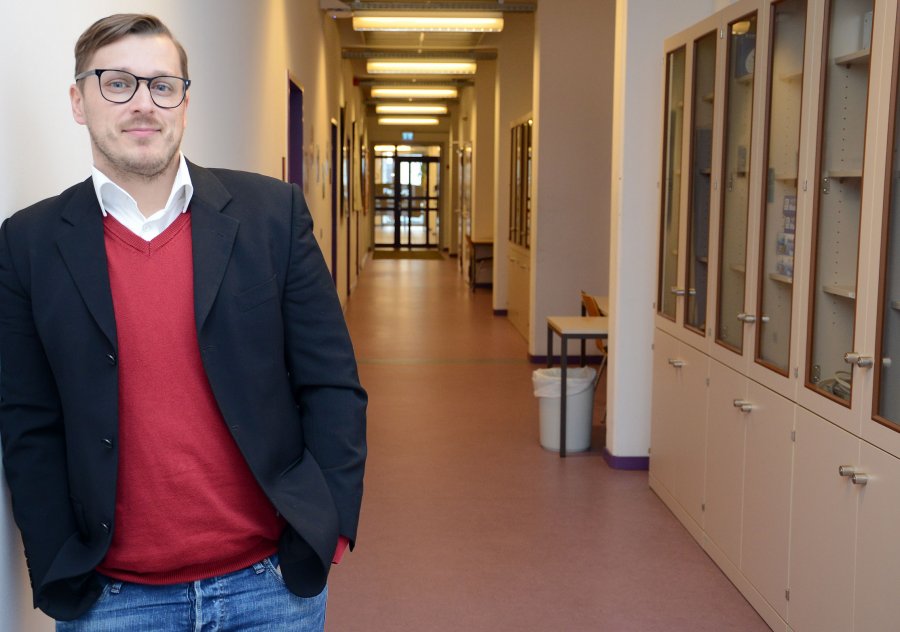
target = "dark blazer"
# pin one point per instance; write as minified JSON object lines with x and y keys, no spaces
{"x":274,"y":346}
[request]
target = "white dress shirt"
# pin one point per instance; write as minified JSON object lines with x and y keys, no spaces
{"x":115,"y":201}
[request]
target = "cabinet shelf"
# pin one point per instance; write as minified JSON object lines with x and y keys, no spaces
{"x":709,"y":97}
{"x":781,"y":278}
{"x":843,"y":291}
{"x":841,"y":174}
{"x":792,"y":76}
{"x":852,"y":59}
{"x":786,"y":177}
{"x":746,"y":79}
{"x":705,"y":172}
{"x":706,"y":260}
{"x":737,"y":267}
{"x":895,"y":305}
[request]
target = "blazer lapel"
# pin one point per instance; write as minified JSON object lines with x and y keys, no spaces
{"x":83,"y":249}
{"x":213,"y":235}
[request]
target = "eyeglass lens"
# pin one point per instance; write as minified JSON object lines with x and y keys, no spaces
{"x":119,"y":86}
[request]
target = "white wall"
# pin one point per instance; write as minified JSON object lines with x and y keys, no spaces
{"x":515,"y":70}
{"x":239,"y":54}
{"x":483,"y":151}
{"x":573,"y":73}
{"x":635,"y":210}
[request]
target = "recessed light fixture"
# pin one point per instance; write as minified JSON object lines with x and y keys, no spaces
{"x":450,"y":21}
{"x":391,"y":148}
{"x":420,"y":67}
{"x":408,"y":120}
{"x":398,"y":108}
{"x":406,"y":92}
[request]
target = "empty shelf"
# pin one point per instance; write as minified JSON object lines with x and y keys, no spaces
{"x":781,"y":278}
{"x":851,"y":59}
{"x":844,"y":291}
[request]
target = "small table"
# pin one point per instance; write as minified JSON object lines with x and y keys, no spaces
{"x":481,"y":251}
{"x":566,"y":327}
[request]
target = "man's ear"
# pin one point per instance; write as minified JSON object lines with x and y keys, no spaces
{"x":77,"y":100}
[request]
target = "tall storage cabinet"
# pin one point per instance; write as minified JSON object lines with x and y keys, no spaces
{"x":776,"y":400}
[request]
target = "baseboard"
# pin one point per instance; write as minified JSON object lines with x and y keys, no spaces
{"x":625,"y":462}
{"x":573,"y":359}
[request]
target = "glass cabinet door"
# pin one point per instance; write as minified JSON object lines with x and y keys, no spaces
{"x":671,"y":180}
{"x":700,"y":191}
{"x":736,"y":190}
{"x":779,"y":217}
{"x":842,"y":123}
{"x":887,"y":396}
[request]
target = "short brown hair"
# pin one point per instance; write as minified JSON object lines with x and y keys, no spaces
{"x":111,"y":29}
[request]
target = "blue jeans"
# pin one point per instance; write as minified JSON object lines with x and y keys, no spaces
{"x":252,"y":599}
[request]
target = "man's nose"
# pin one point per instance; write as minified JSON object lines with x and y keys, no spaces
{"x":142,"y":98}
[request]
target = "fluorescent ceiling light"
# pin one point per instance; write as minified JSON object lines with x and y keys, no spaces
{"x":408,"y":120}
{"x":392,"y":148}
{"x":420,"y":67}
{"x":453,"y":21}
{"x":397,"y":92}
{"x":424,"y":108}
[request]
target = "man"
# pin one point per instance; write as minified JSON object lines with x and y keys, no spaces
{"x":182,"y":423}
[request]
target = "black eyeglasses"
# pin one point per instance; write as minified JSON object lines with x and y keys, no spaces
{"x":119,"y":86}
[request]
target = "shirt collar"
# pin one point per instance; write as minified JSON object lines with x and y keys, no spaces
{"x":115,"y":200}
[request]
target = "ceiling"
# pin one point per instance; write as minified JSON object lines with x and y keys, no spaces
{"x":359,"y":46}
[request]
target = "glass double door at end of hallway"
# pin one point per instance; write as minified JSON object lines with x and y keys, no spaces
{"x":407,"y":203}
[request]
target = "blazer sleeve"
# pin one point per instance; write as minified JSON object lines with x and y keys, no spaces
{"x":31,"y":422}
{"x":323,"y":370}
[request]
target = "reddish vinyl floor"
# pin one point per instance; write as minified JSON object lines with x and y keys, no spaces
{"x":467,"y":523}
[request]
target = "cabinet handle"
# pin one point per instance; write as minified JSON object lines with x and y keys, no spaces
{"x":743,"y":404}
{"x":859,"y":478}
{"x":764,"y":319}
{"x":676,"y":363}
{"x":677,"y":291}
{"x":692,"y":292}
{"x":747,"y":318}
{"x":846,"y":470}
{"x":859,"y":360}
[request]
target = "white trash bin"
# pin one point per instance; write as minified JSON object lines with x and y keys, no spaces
{"x":579,"y":406}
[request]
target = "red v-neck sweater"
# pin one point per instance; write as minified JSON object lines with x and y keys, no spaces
{"x":187,"y":505}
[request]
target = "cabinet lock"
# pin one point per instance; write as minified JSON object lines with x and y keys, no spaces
{"x":859,"y":360}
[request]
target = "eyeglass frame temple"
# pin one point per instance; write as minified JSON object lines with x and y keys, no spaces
{"x":99,"y":71}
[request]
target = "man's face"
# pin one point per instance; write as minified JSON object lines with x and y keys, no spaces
{"x":137,"y":138}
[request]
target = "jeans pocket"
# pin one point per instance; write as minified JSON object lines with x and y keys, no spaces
{"x":273,"y":569}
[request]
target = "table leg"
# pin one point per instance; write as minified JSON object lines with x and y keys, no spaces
{"x":563,"y":365}
{"x":549,"y":347}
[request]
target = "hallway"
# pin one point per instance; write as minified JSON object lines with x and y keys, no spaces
{"x":467,"y":523}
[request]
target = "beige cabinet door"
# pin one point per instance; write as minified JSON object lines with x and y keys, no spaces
{"x":678,"y":430}
{"x":725,"y":459}
{"x":823,"y":527}
{"x":876,"y":606}
{"x":768,"y":458}
{"x":665,"y":398}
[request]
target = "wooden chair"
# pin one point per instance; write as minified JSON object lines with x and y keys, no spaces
{"x":591,"y":308}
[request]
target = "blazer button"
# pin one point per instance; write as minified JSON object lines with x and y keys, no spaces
{"x":107,"y":443}
{"x":105,"y":526}
{"x":111,"y":358}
